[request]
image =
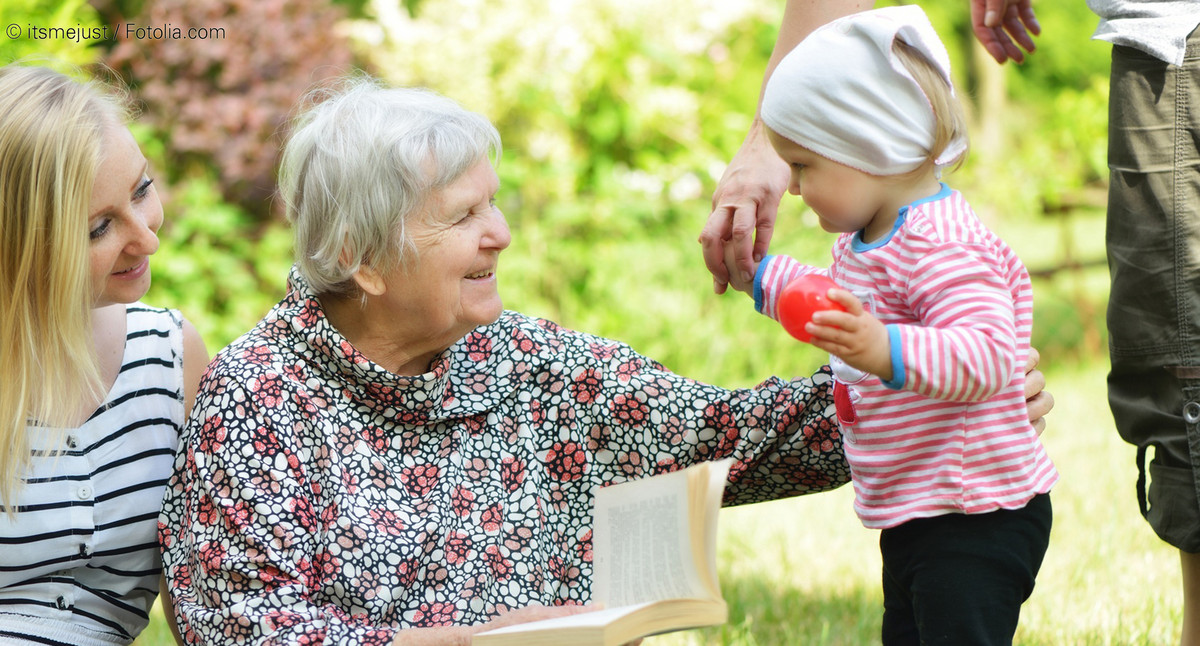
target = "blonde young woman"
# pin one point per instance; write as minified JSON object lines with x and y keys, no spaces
{"x":96,"y":385}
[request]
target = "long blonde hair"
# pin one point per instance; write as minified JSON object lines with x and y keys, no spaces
{"x":51,"y":129}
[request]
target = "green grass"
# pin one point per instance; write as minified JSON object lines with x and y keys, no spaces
{"x":804,"y":571}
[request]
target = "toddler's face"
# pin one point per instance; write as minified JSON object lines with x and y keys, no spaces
{"x":845,"y":199}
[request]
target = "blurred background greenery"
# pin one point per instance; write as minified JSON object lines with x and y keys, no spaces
{"x":618,"y":117}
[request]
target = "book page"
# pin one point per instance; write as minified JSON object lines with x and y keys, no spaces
{"x":641,"y":546}
{"x":643,"y":537}
{"x":705,"y":510}
{"x":654,"y":563}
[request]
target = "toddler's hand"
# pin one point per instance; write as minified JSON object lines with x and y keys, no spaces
{"x":854,"y":336}
{"x":739,"y":280}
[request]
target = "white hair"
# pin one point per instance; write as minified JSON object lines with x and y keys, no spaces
{"x":363,"y":159}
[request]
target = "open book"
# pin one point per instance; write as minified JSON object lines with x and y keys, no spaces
{"x":654,"y":550}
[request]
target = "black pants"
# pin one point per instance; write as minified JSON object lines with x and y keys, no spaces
{"x":960,"y":580}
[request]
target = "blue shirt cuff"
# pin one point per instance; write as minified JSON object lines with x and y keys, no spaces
{"x":897,"y":380}
{"x":758,"y":287}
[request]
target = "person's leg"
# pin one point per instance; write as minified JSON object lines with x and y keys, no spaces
{"x":964,"y":577}
{"x":1153,"y":244}
{"x":1190,"y":564}
{"x":899,"y":623}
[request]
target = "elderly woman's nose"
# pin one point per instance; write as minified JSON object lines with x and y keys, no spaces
{"x":498,"y":234}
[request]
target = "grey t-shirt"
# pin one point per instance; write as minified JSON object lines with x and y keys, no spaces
{"x":1158,"y":27}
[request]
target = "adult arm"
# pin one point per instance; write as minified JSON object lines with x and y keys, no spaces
{"x":195,"y":360}
{"x":461,"y":635}
{"x":747,"y":196}
{"x":746,"y":199}
{"x":168,"y":609}
{"x":638,"y":418}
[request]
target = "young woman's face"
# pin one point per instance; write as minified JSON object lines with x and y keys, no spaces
{"x":123,"y":220}
{"x":845,"y":199}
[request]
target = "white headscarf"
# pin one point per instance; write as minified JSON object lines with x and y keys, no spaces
{"x":843,"y":94}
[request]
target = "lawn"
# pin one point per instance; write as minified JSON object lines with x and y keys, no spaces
{"x":804,"y":571}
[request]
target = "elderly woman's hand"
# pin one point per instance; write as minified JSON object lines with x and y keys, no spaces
{"x":534,"y":613}
{"x":1037,"y":399}
{"x":537,"y":613}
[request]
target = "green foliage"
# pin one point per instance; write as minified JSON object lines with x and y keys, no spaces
{"x":219,"y":98}
{"x":1066,"y":56}
{"x":216,"y":264}
{"x":1057,"y":121}
{"x":587,"y":91}
{"x":33,"y":39}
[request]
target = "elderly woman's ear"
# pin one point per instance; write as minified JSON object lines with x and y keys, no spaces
{"x":370,"y":281}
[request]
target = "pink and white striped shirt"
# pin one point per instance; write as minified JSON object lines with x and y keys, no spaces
{"x":950,"y":432}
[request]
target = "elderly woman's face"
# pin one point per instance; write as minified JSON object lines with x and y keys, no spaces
{"x":450,"y":288}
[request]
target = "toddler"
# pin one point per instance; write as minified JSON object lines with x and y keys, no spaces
{"x":928,"y":357}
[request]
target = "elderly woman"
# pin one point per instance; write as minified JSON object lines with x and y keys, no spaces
{"x":389,"y":456}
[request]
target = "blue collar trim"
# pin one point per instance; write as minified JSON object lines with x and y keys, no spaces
{"x":857,"y":244}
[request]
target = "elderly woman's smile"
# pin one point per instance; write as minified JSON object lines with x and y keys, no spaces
{"x":447,"y":287}
{"x":452,"y":279}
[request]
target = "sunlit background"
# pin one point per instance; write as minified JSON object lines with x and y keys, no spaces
{"x":618,"y":117}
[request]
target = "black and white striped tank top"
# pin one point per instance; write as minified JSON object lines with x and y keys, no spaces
{"x":79,"y":563}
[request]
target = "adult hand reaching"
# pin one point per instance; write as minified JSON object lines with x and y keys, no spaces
{"x":747,"y":197}
{"x":744,"y":208}
{"x":997,"y":23}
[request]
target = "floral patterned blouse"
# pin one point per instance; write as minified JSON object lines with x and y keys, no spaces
{"x":318,"y":497}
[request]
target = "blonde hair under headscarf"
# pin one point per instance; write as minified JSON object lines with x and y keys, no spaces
{"x":845,"y":93}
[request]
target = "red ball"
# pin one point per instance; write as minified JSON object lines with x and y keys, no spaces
{"x":803,"y":297}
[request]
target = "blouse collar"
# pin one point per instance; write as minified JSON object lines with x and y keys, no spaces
{"x":472,"y":376}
